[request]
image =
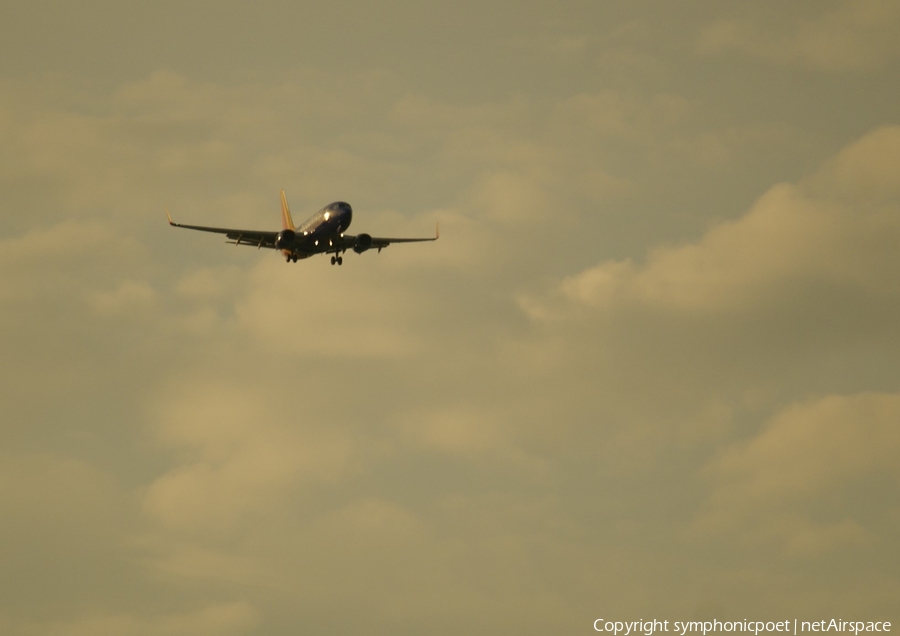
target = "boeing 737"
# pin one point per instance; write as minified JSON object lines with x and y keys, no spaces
{"x":322,"y":233}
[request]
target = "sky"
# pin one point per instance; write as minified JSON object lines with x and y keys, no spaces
{"x":651,"y":369}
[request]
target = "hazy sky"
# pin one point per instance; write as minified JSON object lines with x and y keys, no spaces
{"x":650,"y":370}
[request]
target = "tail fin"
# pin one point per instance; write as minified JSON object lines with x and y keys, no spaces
{"x":286,"y":222}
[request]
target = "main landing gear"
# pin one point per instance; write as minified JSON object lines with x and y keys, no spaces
{"x":337,"y":259}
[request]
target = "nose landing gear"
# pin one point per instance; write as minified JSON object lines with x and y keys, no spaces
{"x":337,"y":259}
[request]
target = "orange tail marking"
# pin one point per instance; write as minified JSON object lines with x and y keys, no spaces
{"x":286,"y":222}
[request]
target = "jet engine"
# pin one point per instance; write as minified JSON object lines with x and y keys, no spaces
{"x":285,"y":239}
{"x":363,"y":242}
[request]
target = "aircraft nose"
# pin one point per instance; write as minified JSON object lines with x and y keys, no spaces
{"x":346,"y":213}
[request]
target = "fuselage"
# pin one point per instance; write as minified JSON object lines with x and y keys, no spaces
{"x":322,"y":232}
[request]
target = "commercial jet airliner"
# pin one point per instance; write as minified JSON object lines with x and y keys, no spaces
{"x":322,"y":233}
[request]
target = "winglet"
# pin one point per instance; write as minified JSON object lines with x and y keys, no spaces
{"x":437,"y":230}
{"x":169,"y":217}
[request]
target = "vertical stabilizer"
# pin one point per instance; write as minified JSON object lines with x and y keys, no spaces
{"x":286,"y":222}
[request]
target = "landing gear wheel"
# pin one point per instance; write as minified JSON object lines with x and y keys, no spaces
{"x":333,"y":260}
{"x":340,"y":260}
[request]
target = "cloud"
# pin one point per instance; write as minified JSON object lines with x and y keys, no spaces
{"x":391,"y":445}
{"x":38,"y":262}
{"x":59,"y":494}
{"x":513,"y":197}
{"x":864,"y":170}
{"x":616,"y":115}
{"x":219,"y":619}
{"x":243,"y":455}
{"x":735,"y":264}
{"x":794,"y":236}
{"x":485,"y":434}
{"x":354,"y":318}
{"x":130,"y":296}
{"x":125,"y":153}
{"x":855,"y":35}
{"x":793,"y":483}
{"x":65,"y":520}
{"x":798,"y":296}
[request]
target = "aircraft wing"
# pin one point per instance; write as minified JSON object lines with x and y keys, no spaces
{"x":255,"y":238}
{"x":366,"y":241}
{"x":384,"y":242}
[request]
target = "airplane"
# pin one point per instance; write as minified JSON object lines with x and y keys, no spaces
{"x":322,"y":233}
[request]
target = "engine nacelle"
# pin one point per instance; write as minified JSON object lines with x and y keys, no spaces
{"x":363,"y":242}
{"x":285,"y":239}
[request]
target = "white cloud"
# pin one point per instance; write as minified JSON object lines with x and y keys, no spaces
{"x":785,"y":236}
{"x":61,"y":494}
{"x":616,"y":115}
{"x":245,"y":452}
{"x":324,"y":439}
{"x":865,"y":171}
{"x":290,"y":309}
{"x":790,"y":483}
{"x":481,"y":434}
{"x":458,"y":431}
{"x":793,"y":237}
{"x":857,"y":34}
{"x":375,"y":519}
{"x":513,"y":197}
{"x":131,"y":296}
{"x":219,"y":619}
